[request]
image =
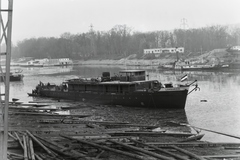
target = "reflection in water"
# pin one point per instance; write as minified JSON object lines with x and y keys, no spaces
{"x":215,"y":106}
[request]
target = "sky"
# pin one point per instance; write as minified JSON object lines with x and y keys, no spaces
{"x":51,"y":18}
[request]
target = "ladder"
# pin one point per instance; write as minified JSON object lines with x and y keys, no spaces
{"x":5,"y":58}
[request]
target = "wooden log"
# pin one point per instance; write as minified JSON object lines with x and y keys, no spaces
{"x":15,"y":154}
{"x":48,"y":114}
{"x":63,"y":150}
{"x":195,"y":144}
{"x":142,"y":151}
{"x":38,"y":142}
{"x":159,"y":149}
{"x":232,"y":148}
{"x":100,"y":154}
{"x":151,"y":134}
{"x":10,"y":135}
{"x":38,"y":157}
{"x":129,"y":125}
{"x":188,"y":153}
{"x":33,"y":108}
{"x":222,"y":156}
{"x":41,"y":101}
{"x":25,"y":148}
{"x":19,"y":140}
{"x":107,"y":148}
{"x":28,"y":147}
{"x":31,"y":149}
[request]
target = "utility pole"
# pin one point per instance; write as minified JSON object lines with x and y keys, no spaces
{"x":184,"y":26}
{"x":93,"y":48}
{"x":5,"y":56}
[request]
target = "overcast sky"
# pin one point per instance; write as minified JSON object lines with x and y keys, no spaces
{"x":51,"y":18}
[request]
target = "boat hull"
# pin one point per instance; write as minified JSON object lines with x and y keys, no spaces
{"x":12,"y":78}
{"x":174,"y":99}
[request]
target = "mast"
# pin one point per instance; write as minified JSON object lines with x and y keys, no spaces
{"x":5,"y":56}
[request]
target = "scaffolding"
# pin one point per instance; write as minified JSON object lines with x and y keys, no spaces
{"x":5,"y":58}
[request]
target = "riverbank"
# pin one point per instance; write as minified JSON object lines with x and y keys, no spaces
{"x":131,"y":62}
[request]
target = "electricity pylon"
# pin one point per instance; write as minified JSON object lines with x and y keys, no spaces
{"x":5,"y":58}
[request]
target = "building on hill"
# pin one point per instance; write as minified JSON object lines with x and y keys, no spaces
{"x":158,"y":51}
{"x":234,"y":48}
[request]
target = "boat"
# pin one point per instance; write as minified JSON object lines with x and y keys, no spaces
{"x":33,"y":63}
{"x":129,"y":88}
{"x":183,"y":66}
{"x":13,"y":76}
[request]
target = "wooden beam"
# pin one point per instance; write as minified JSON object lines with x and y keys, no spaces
{"x":159,"y":149}
{"x":38,"y":142}
{"x":142,"y":151}
{"x":152,"y":134}
{"x":222,"y":156}
{"x":25,"y":148}
{"x":107,"y":148}
{"x":188,"y":153}
{"x":63,"y":150}
{"x":31,"y":149}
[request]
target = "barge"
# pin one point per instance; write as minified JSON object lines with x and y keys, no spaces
{"x":129,"y":88}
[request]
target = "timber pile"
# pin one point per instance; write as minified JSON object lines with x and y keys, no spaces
{"x":38,"y":136}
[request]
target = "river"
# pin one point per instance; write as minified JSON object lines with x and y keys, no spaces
{"x":216,"y":106}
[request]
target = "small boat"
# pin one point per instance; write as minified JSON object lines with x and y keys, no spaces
{"x":13,"y":76}
{"x":129,"y":88}
{"x":33,"y":94}
{"x":193,"y":138}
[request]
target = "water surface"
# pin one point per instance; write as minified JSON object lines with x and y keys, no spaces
{"x":216,"y":106}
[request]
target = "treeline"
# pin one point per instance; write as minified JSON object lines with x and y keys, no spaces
{"x":121,"y":41}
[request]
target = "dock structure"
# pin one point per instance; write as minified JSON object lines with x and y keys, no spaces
{"x":5,"y":56}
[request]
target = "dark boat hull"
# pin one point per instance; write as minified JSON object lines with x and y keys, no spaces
{"x":161,"y":99}
{"x":12,"y":78}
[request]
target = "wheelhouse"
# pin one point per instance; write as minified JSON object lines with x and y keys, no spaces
{"x":126,"y":82}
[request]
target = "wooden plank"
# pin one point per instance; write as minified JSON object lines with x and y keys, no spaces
{"x":19,"y":140}
{"x":151,"y":133}
{"x":38,"y":157}
{"x":188,"y":153}
{"x":107,"y":148}
{"x":195,"y":144}
{"x":142,"y":150}
{"x":28,"y":147}
{"x":10,"y":135}
{"x":63,"y":150}
{"x":18,"y":156}
{"x":31,"y":149}
{"x":42,"y":101}
{"x":33,"y":105}
{"x":25,"y":148}
{"x":33,"y":108}
{"x":232,"y":148}
{"x":38,"y":142}
{"x":222,"y":156}
{"x":48,"y":114}
{"x":159,"y":149}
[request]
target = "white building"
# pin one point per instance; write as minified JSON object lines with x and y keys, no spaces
{"x":158,"y":51}
{"x":235,"y":48}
